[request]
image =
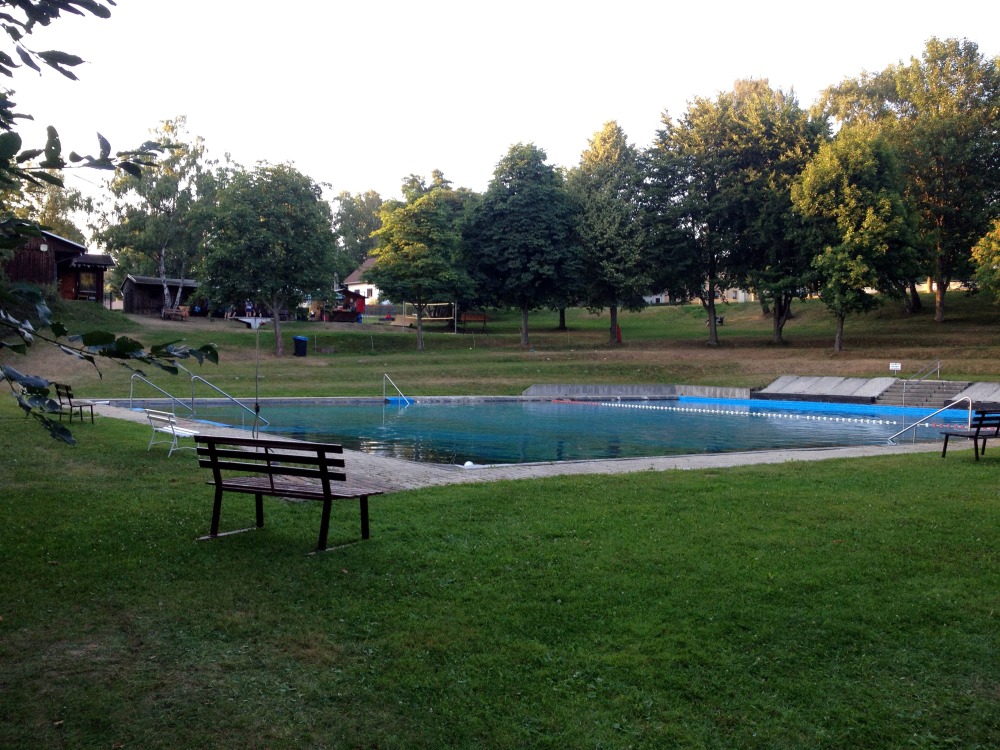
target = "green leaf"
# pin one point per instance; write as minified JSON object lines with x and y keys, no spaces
{"x":10,"y":143}
{"x":27,"y":59}
{"x":31,"y":153}
{"x":97,"y":338}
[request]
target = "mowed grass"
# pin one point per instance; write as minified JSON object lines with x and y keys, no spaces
{"x":824,"y":605}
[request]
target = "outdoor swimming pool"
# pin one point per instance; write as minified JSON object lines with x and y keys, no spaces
{"x":499,"y":432}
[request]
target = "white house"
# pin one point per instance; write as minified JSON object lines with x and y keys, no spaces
{"x":356,"y":285}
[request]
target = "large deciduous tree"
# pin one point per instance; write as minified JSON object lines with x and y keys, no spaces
{"x":941,"y":111}
{"x":606,"y":186}
{"x":718,"y":198}
{"x":521,"y":241}
{"x":853,"y":187}
{"x":272,"y":241}
{"x":418,"y":258}
{"x":158,"y":223}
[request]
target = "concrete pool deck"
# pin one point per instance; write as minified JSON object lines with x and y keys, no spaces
{"x":406,"y":475}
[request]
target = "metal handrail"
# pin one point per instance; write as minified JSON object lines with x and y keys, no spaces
{"x":922,"y":374}
{"x":155,"y":387}
{"x":236,"y":401}
{"x":934,"y":414}
{"x":386,"y":377}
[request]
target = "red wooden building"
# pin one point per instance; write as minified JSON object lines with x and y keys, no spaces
{"x":51,"y":259}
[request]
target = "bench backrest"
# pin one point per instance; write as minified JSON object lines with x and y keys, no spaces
{"x":162,"y":419}
{"x":64,"y":393}
{"x":275,"y":458}
{"x":986,"y":421}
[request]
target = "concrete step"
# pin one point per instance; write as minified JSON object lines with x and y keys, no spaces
{"x":925,"y":393}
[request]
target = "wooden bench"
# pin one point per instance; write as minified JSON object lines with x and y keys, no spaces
{"x":165,"y":423}
{"x":281,"y":468}
{"x":67,"y":403}
{"x":473,"y":317}
{"x":985,"y":425}
{"x":175,"y":313}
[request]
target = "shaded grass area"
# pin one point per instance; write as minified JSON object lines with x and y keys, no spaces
{"x":829,"y":605}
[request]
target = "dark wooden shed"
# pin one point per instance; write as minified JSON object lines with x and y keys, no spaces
{"x":51,"y":259}
{"x":143,"y":295}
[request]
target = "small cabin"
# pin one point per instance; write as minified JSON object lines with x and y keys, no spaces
{"x":143,"y":295}
{"x":51,"y":259}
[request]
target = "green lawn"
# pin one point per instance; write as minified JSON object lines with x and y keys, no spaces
{"x":825,"y":605}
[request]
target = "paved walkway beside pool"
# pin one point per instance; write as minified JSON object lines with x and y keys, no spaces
{"x":406,"y":475}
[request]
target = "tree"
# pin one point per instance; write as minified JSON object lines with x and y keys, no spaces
{"x":941,"y":111}
{"x":986,"y":255}
{"x":521,"y":241}
{"x":158,"y":223}
{"x":718,"y":198}
{"x":355,"y":221}
{"x":418,"y":255}
{"x":606,"y":186}
{"x":272,"y":241}
{"x":854,"y":188}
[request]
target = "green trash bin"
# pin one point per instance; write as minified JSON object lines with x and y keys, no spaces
{"x":301,"y":346}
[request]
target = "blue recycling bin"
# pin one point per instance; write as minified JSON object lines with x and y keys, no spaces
{"x":301,"y":346}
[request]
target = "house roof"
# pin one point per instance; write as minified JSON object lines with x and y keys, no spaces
{"x":89,"y":260}
{"x":355,"y":277}
{"x":155,"y":281}
{"x":54,"y":236}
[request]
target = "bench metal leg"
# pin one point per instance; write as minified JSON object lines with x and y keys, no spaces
{"x":364,"y":516}
{"x":324,"y":524}
{"x":216,"y":513}
{"x":945,"y":448}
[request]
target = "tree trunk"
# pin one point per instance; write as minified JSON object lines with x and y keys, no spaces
{"x":916,"y":304}
{"x":279,"y":344}
{"x":941,"y":286}
{"x":708,"y":302}
{"x":614,"y":340}
{"x":838,"y":339}
{"x":524,"y":325}
{"x":562,"y":319}
{"x":782,"y":309}
{"x":161,"y":268}
{"x":420,"y":328}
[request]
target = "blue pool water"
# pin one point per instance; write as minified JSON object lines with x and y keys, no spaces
{"x":488,"y":432}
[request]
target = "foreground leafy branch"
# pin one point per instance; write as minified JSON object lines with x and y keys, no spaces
{"x":33,"y":392}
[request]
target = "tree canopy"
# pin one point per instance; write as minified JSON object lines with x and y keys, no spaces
{"x":606,"y":185}
{"x":158,"y":223}
{"x":418,"y":256}
{"x":522,"y":245}
{"x":941,"y":112}
{"x":271,"y":242}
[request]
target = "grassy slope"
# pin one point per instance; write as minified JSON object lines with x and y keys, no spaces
{"x":661,"y":345}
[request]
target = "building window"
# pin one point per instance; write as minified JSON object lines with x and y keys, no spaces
{"x":368,"y":292}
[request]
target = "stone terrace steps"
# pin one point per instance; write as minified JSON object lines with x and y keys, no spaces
{"x":931,"y":394}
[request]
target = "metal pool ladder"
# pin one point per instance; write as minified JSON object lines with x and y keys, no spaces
{"x":385,"y":377}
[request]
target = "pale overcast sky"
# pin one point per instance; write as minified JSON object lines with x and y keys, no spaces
{"x":361,"y":94}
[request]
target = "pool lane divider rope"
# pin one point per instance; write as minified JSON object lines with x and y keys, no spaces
{"x":747,"y":412}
